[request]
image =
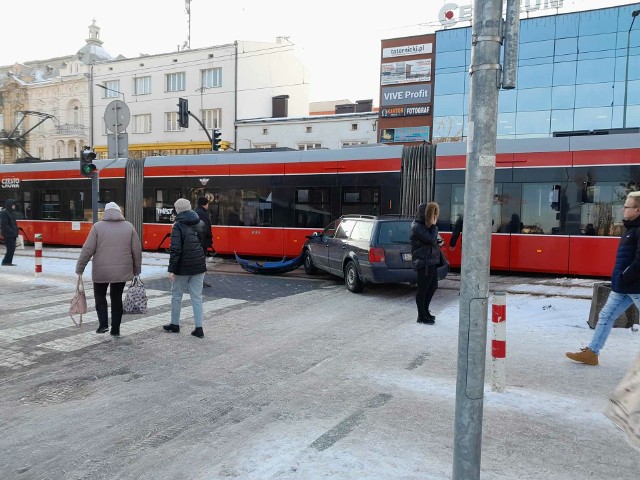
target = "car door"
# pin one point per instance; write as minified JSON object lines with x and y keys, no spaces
{"x":319,"y":247}
{"x":339,"y":245}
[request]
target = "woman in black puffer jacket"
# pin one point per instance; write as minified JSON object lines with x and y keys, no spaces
{"x":425,"y":254}
{"x":186,"y":265}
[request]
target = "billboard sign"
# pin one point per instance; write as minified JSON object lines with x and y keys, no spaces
{"x":406,"y":50}
{"x":408,"y":111}
{"x":407,"y":95}
{"x":405,"y":72}
{"x":404,"y":134}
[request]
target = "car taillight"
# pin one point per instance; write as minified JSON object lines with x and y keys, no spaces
{"x":376,"y":254}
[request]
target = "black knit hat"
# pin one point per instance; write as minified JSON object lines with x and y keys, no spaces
{"x":202,"y":201}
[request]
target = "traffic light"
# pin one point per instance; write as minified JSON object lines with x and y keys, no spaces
{"x":183,"y":112}
{"x":216,"y":139}
{"x":87,"y":167}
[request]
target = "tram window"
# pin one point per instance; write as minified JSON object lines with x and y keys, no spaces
{"x":50,"y":204}
{"x":541,"y":205}
{"x":457,"y":206}
{"x":361,"y":200}
{"x":312,"y":207}
{"x":255,"y":208}
{"x":601,"y":209}
{"x":165,"y":198}
{"x":80,"y":207}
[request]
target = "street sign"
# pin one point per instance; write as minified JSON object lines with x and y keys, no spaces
{"x":117,"y":116}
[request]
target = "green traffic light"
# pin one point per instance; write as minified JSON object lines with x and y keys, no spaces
{"x":88,"y":169}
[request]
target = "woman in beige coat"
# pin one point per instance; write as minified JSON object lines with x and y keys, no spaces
{"x":117,"y":257}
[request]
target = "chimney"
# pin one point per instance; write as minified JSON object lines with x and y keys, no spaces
{"x":346,"y":108}
{"x":280,"y":106}
{"x":364,"y":105}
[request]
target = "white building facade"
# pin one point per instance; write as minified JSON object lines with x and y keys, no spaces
{"x":223,"y":85}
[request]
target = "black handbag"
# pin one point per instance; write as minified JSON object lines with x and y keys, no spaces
{"x":443,"y":266}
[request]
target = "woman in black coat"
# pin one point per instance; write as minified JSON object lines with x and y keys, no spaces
{"x":425,"y":254}
{"x":186,"y":265}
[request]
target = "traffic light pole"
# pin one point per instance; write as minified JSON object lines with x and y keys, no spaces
{"x":204,"y":128}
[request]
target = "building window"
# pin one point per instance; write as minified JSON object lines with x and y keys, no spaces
{"x":142,"y":86}
{"x":264,"y":145}
{"x":354,"y":142}
{"x":354,"y":126}
{"x":211,"y":118}
{"x":309,"y":146}
{"x":76,"y":115}
{"x":309,"y":129}
{"x":112,"y":89}
{"x":171,"y":122}
{"x":265,"y":131}
{"x":175,"y":82}
{"x":211,"y":77}
{"x":142,"y":123}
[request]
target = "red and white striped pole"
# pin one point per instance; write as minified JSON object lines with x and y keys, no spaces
{"x":38,"y":253}
{"x":498,"y":341}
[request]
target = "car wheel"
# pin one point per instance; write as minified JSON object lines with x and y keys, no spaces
{"x":309,"y":267}
{"x":352,"y":278}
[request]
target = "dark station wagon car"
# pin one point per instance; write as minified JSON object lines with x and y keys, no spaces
{"x":363,"y":249}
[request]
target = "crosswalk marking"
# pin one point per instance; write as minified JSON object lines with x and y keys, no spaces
{"x":15,"y":333}
{"x":82,"y":340}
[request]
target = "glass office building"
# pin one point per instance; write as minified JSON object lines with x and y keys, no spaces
{"x":571,"y":76}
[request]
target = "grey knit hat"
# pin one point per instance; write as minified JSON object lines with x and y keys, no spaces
{"x":182,"y":205}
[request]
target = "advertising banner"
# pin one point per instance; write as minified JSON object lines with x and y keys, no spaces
{"x":407,"y":95}
{"x":405,"y":72}
{"x":406,"y":50}
{"x":408,"y":111}
{"x":404,"y":134}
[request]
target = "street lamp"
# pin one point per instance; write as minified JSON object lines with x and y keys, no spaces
{"x":634,"y":14}
{"x":104,"y":87}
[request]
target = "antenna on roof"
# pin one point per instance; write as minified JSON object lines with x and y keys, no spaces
{"x":187,"y":9}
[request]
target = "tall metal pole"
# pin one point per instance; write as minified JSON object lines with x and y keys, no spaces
{"x":478,"y":201}
{"x":634,"y":14}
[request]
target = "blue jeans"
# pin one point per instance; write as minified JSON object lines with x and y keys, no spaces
{"x":194,"y":283}
{"x":616,"y":304}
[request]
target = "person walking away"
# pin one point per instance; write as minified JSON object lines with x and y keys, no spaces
{"x":625,"y":282}
{"x":9,"y":229}
{"x":114,"y":246}
{"x":207,"y":239}
{"x":186,"y":265}
{"x":425,"y":254}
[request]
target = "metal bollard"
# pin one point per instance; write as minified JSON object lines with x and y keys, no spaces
{"x":498,"y":341}
{"x":38,"y":253}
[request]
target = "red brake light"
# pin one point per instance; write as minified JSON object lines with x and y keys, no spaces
{"x":376,"y":254}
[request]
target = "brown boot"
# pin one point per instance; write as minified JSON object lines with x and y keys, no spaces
{"x":585,"y":355}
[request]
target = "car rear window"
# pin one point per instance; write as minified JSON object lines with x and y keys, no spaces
{"x":394,"y":232}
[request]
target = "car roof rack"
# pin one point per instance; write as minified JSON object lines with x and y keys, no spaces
{"x":356,"y":215}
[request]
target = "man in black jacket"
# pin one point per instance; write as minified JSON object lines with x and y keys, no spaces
{"x":207,"y":239}
{"x":625,"y":282}
{"x":9,"y":229}
{"x":186,"y":265}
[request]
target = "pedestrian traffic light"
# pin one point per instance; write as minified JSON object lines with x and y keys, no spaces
{"x":216,"y":139}
{"x":87,"y":167}
{"x":183,"y":112}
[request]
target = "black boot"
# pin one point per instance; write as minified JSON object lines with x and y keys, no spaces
{"x":172,"y":328}
{"x":103,"y":318}
{"x":116,"y":318}
{"x":198,"y":332}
